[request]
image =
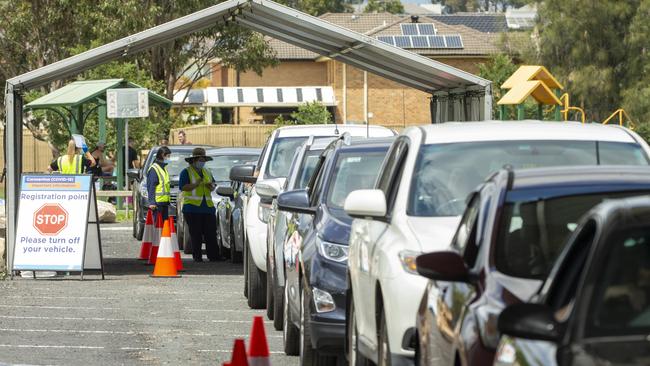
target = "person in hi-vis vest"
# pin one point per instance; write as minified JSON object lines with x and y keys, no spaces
{"x":73,"y":162}
{"x":197,"y":185}
{"x":158,"y":183}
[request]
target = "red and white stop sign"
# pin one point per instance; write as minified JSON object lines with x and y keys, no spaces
{"x":50,"y":219}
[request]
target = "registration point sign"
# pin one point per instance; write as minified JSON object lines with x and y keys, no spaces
{"x":57,"y":226}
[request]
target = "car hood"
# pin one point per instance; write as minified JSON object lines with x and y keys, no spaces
{"x":433,"y":233}
{"x":334,"y":226}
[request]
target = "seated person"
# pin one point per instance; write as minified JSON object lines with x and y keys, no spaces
{"x":104,"y":165}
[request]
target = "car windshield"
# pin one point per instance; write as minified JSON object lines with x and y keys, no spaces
{"x":533,"y":231}
{"x":353,"y":170}
{"x":177,"y":163}
{"x":620,"y":304}
{"x":446,"y":173}
{"x":307,"y":169}
{"x":281,"y":156}
{"x":220,"y":165}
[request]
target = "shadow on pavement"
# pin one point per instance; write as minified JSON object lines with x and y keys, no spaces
{"x":130,"y":266}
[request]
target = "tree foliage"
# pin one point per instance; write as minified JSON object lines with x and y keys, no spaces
{"x":318,"y":7}
{"x":310,"y":113}
{"x":384,"y":6}
{"x":39,"y":32}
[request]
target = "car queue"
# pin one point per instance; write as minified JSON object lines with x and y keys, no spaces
{"x":402,"y":270}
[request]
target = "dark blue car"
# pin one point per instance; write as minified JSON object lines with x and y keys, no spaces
{"x":317,"y":247}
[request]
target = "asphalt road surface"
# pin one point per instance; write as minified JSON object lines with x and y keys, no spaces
{"x":129,"y":318}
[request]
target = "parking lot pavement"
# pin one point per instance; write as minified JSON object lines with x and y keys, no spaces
{"x":129,"y":318}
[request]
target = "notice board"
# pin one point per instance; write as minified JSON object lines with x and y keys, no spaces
{"x":57,"y":226}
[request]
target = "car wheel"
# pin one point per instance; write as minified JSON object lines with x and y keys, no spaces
{"x":135,"y":218}
{"x":187,"y":242}
{"x":278,"y":305}
{"x":308,"y":354}
{"x":383,"y":351}
{"x":235,"y":256}
{"x":355,"y":358}
{"x":246,"y":271}
{"x":290,"y":334}
{"x":256,"y":284}
{"x":270,"y":290}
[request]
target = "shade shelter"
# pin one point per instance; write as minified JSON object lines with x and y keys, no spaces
{"x":452,"y":90}
{"x":76,"y":101}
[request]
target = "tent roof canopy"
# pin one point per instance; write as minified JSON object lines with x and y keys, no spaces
{"x":80,"y":92}
{"x":285,"y":24}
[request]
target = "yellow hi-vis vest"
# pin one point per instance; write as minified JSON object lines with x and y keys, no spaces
{"x":70,"y":167}
{"x":162,"y":189}
{"x":196,"y":196}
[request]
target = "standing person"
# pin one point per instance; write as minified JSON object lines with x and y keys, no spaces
{"x":164,"y":141}
{"x":134,"y":160}
{"x":104,"y":166}
{"x":197,"y":183}
{"x":182,"y":138}
{"x":158,"y":182}
{"x":73,"y":162}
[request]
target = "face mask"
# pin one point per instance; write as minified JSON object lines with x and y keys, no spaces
{"x":199,"y":164}
{"x":167,"y":161}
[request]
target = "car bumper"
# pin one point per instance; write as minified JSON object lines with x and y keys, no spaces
{"x":399,"y":299}
{"x":328,"y":338}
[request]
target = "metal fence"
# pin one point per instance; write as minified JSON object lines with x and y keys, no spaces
{"x":233,"y":135}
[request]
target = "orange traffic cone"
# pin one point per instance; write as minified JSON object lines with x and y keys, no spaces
{"x":238,"y":354}
{"x":177,"y":251}
{"x":147,"y":237}
{"x":258,"y":348}
{"x":156,"y":242}
{"x":165,"y":264}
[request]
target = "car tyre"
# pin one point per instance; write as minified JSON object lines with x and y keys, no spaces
{"x":138,"y":227}
{"x":246,"y":270}
{"x":278,"y":305}
{"x":355,"y":358}
{"x":270,"y":290}
{"x":383,"y":351}
{"x":256,"y":284}
{"x":187,"y":242}
{"x":235,"y":256}
{"x":308,"y":354}
{"x":290,"y":334}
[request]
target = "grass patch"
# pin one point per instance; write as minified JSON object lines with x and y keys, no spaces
{"x":121,"y":216}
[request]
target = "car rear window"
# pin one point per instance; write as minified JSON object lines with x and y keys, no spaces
{"x":446,"y":173}
{"x":532,"y":232}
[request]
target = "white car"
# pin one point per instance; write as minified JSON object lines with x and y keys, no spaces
{"x":416,"y":206}
{"x":274,"y":164}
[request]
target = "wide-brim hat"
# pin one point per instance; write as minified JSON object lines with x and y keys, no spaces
{"x":198,"y":152}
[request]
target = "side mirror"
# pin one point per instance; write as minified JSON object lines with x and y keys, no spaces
{"x":270,"y":188}
{"x":366,"y":203}
{"x":443,"y":266}
{"x":133,"y":174}
{"x":226,"y":191}
{"x":295,"y":201}
{"x":529,"y":321}
{"x":243,"y":173}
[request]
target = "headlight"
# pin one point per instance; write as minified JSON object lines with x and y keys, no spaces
{"x":263,"y":213}
{"x":323,"y":301}
{"x":143,"y":188}
{"x":407,"y":258}
{"x":333,"y":252}
{"x":486,"y":317}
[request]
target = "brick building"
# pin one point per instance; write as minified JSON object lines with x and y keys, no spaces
{"x":461,"y":40}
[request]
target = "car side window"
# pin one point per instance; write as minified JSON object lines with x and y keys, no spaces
{"x":392,"y":171}
{"x":258,"y":166}
{"x":562,"y":293}
{"x":317,"y":180}
{"x":466,"y":234}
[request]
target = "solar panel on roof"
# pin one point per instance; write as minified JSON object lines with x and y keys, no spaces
{"x":409,"y":29}
{"x":454,"y":41}
{"x":419,"y":42}
{"x":437,"y":41}
{"x":426,"y":29}
{"x":403,"y":41}
{"x":387,"y":39}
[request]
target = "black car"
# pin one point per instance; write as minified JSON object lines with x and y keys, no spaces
{"x":514,"y":227}
{"x":222,"y":160}
{"x":139,"y":187}
{"x":594,"y":308}
{"x":316,"y":252}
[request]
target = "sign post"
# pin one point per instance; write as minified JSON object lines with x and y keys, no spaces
{"x":48,"y":235}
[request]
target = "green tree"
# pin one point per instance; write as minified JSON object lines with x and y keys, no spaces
{"x":310,"y":113}
{"x":497,"y":70}
{"x":318,"y":7}
{"x":384,"y":6}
